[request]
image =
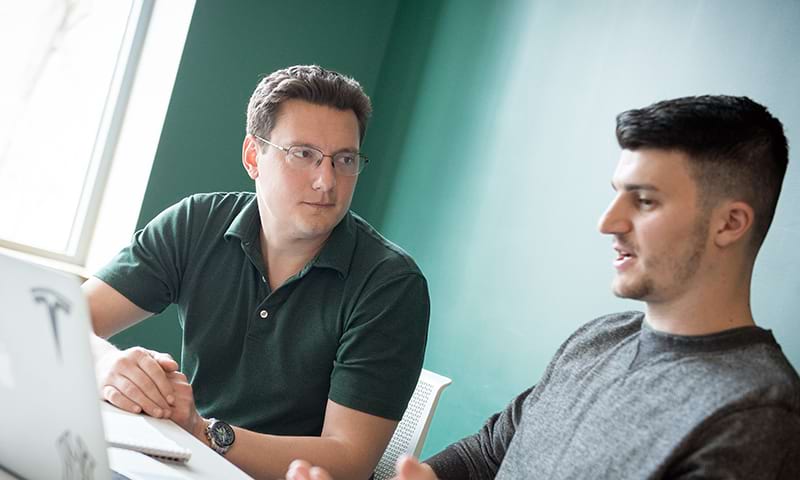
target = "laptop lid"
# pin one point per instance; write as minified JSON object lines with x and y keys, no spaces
{"x":48,"y":396}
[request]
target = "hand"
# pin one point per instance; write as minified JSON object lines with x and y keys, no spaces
{"x":409,"y":468}
{"x":302,"y":470}
{"x":136,"y":380}
{"x":184,"y":412}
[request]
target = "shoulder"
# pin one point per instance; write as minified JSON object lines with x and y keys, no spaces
{"x":201,"y":208}
{"x":373,"y":248}
{"x":608,"y":329}
{"x":592,"y":340}
{"x":217,"y":202}
{"x":758,"y":375}
{"x":205,"y":203}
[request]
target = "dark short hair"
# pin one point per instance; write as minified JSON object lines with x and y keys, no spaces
{"x":310,"y":83}
{"x":736,"y":148}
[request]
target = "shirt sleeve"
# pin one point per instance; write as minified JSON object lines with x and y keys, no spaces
{"x":756,"y":443}
{"x":382,"y":347}
{"x":479,"y":456}
{"x":148,"y":272}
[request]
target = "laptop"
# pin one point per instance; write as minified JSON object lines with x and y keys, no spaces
{"x":49,"y":403}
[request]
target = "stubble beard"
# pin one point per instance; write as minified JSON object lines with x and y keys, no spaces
{"x":682,"y":268}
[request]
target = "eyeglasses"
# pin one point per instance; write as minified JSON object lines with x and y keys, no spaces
{"x":302,"y":157}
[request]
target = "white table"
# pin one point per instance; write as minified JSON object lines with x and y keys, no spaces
{"x":204,"y":464}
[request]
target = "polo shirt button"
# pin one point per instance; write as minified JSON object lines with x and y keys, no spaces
{"x":263,"y":314}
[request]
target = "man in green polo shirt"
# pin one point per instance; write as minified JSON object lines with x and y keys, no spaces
{"x":304,"y":329}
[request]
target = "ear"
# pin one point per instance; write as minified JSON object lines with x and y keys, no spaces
{"x":732,"y":222}
{"x":250,"y":156}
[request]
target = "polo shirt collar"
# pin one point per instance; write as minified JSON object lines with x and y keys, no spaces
{"x":246,"y":225}
{"x":337,"y":253}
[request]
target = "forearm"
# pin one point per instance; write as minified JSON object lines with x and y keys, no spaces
{"x":349,"y":447}
{"x":100,"y":346}
{"x":480,"y":455}
{"x":268,"y":456}
{"x":463,"y":460}
{"x":110,"y":311}
{"x":449,"y":464}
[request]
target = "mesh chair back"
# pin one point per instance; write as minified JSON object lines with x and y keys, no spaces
{"x":410,"y":434}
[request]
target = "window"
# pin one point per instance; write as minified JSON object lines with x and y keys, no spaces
{"x":68,"y":106}
{"x":73,"y":61}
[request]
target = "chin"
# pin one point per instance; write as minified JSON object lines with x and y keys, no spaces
{"x":315,"y":229}
{"x":634,"y":291}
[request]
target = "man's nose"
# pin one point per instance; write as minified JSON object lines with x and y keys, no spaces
{"x":324,"y":175}
{"x":614,"y":220}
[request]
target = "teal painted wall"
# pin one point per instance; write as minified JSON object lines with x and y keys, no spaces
{"x":504,"y":169}
{"x":492,"y":146}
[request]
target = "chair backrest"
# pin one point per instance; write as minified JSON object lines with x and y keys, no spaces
{"x":410,"y":434}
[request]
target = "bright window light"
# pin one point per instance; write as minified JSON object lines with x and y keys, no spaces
{"x":67,"y":68}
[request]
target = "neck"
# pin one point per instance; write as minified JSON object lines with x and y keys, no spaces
{"x":284,"y":259}
{"x":703,"y":311}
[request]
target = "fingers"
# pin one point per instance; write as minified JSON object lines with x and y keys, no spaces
{"x":133,"y":389}
{"x":134,"y":381}
{"x":302,"y":470}
{"x":409,"y":468}
{"x":299,"y":470}
{"x":318,"y":473}
{"x":116,"y":398}
{"x":165,"y":360}
{"x":157,"y":377}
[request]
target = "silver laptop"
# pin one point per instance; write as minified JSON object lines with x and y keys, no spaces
{"x":49,"y":404}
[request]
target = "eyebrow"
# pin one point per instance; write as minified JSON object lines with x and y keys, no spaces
{"x":306,"y":144}
{"x":631,"y":187}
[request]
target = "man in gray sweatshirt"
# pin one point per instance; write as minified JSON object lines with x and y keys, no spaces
{"x":691,"y":388}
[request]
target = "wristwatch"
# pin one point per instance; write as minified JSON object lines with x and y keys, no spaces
{"x":220,"y":435}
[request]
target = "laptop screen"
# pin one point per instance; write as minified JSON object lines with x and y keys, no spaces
{"x":48,"y":396}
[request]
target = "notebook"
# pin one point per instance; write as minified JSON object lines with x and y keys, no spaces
{"x":49,"y":404}
{"x":132,"y":432}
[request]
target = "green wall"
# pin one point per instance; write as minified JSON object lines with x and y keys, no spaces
{"x":493,"y":148}
{"x":504,"y":170}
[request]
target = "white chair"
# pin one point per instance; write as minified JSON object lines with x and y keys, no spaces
{"x":410,"y":434}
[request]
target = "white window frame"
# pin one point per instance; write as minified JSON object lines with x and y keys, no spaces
{"x":131,"y":135}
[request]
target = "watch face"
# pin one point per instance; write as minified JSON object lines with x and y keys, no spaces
{"x":223,"y":434}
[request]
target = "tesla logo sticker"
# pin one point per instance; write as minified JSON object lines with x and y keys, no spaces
{"x":55,"y":303}
{"x":76,"y":460}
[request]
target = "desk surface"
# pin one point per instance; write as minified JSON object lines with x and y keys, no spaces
{"x":205,"y":464}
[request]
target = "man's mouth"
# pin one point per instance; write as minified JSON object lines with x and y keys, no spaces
{"x":625,"y":257}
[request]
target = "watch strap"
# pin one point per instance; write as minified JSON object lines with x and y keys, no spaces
{"x":220,"y":449}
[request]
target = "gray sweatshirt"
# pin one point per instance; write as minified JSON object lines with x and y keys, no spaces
{"x":620,"y":400}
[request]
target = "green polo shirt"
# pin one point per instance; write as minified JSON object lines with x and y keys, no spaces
{"x":351,"y":326}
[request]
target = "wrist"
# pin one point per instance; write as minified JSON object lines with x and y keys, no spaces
{"x":199,"y":430}
{"x":220,"y":435}
{"x":429,"y":472}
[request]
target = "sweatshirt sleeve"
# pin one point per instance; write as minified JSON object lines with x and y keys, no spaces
{"x":479,"y":456}
{"x":754,"y":443}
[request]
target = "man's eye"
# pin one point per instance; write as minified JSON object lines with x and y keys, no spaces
{"x":346,"y":158}
{"x":303,"y":153}
{"x":645,"y":202}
